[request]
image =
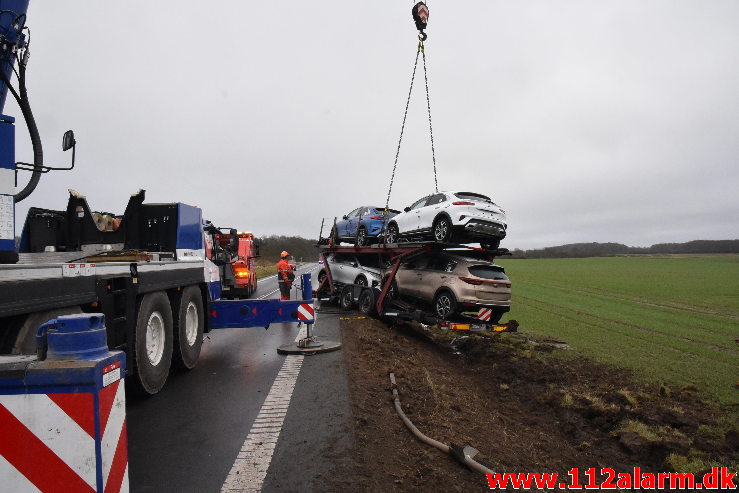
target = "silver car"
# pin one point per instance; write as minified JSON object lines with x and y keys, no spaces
{"x":453,"y":284}
{"x":460,"y":217}
{"x":349,"y":268}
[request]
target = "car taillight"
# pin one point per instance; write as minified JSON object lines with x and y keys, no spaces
{"x":462,"y":202}
{"x":477,"y":282}
{"x":379,"y":218}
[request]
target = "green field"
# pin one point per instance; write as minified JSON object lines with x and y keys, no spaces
{"x":672,"y":319}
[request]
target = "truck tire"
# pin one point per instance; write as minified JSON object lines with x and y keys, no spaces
{"x":153,"y":342}
{"x":346,"y":300}
{"x":21,"y":339}
{"x":188,"y":327}
{"x":367,"y":301}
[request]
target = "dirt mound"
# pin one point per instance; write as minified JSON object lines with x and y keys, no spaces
{"x":523,"y":409}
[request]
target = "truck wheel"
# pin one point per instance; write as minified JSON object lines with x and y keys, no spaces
{"x":153,"y":342}
{"x":442,"y":229}
{"x":188,"y":328}
{"x":444,"y":304}
{"x":346,"y":300}
{"x":367,"y":301}
{"x":20,"y":334}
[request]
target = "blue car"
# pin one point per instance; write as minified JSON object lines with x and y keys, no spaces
{"x":362,"y":226}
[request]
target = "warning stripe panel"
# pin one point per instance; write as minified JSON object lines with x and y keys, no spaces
{"x":114,"y":436}
{"x":55,"y":475}
{"x":79,"y":408}
{"x":55,"y":431}
{"x":13,"y":480}
{"x":306,"y":312}
{"x":116,"y":479}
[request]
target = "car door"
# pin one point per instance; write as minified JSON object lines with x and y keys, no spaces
{"x":340,"y":266}
{"x":357,"y":221}
{"x":435,"y":274}
{"x":410,"y":276}
{"x":408,"y":221}
{"x":428,"y":212}
{"x":344,"y":227}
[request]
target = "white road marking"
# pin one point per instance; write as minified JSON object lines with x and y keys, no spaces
{"x":250,"y":467}
{"x":268,"y":294}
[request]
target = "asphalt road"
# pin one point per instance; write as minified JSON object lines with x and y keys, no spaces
{"x":186,"y":438}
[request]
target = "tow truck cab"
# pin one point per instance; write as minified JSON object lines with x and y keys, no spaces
{"x":239,"y":273}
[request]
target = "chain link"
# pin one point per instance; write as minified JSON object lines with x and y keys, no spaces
{"x":428,"y":105}
{"x":402,"y":129}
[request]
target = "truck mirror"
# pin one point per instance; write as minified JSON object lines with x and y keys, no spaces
{"x":68,"y":141}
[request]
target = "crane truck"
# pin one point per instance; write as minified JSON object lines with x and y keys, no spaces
{"x":157,"y":272}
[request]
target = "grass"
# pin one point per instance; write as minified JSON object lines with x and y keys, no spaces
{"x":265,"y":268}
{"x":672,"y":320}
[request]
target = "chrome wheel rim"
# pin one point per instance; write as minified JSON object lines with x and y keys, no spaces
{"x":191,"y":323}
{"x":155,"y":338}
{"x":441,"y":230}
{"x":443,"y":306}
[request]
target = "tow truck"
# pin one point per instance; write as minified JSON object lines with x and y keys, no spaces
{"x":157,"y":272}
{"x":238,"y":252}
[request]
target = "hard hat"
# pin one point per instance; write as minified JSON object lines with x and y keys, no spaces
{"x":284,"y":254}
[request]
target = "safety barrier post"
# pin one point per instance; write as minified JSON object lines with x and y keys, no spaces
{"x":63,"y":411}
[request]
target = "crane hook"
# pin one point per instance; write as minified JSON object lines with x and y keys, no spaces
{"x":420,"y":13}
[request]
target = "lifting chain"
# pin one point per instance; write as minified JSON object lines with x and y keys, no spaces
{"x":420,"y":16}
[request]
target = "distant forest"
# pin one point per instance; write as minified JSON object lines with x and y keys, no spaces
{"x":271,"y":246}
{"x":577,"y":250}
{"x":299,"y":247}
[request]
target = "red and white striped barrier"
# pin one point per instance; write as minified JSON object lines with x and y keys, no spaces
{"x":49,"y":442}
{"x":306,"y":313}
{"x":485,"y":314}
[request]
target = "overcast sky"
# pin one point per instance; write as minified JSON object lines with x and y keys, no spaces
{"x":585,"y":120}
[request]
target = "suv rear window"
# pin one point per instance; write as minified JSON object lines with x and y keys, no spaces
{"x":472,"y":196}
{"x":488,"y":272}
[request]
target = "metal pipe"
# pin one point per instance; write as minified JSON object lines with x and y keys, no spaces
{"x":461,"y":454}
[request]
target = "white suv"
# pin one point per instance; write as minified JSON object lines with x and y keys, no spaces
{"x":460,"y":217}
{"x":348,"y":268}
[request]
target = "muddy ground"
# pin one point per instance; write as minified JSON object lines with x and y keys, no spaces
{"x":521,"y":405}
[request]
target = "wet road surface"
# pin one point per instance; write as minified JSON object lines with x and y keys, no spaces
{"x":187,"y":437}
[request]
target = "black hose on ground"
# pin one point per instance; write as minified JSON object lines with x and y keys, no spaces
{"x":462,"y":454}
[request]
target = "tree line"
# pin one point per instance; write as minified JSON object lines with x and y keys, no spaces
{"x":270,"y":247}
{"x":579,"y":250}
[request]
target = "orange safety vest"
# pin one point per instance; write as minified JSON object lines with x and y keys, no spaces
{"x":283,"y":267}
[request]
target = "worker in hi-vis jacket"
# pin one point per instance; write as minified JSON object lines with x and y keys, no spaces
{"x":285,"y":276}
